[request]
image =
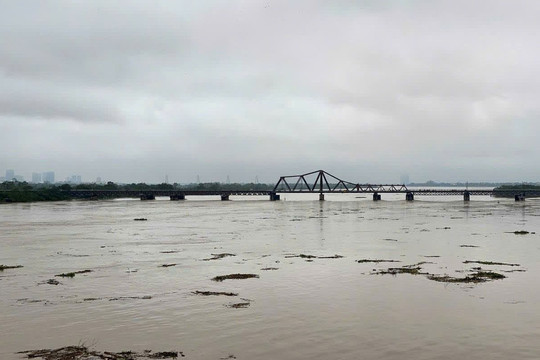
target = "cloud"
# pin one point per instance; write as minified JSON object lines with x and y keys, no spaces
{"x":390,"y":86}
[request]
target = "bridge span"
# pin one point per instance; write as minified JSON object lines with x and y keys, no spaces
{"x":320,"y":182}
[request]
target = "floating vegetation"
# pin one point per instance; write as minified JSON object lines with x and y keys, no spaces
{"x":169,"y":252}
{"x":401,"y":270}
{"x":72,"y":274}
{"x":488,"y":263}
{"x":214,"y":293}
{"x":72,"y":255}
{"x":389,"y":239}
{"x":146,"y":297}
{"x":479,"y":276}
{"x":167,"y":265}
{"x":270,"y":268}
{"x":468,"y":246}
{"x":432,"y":256}
{"x":5,"y":267}
{"x":241,"y":305}
{"x":218,"y":256}
{"x":330,"y":257}
{"x":83,"y":353}
{"x":375,"y":261}
{"x":50,"y":282}
{"x":235,"y":276}
{"x":521,"y":232}
{"x":140,"y":219}
{"x":304,"y":256}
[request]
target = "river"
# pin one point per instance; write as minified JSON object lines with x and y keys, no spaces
{"x":306,"y":303}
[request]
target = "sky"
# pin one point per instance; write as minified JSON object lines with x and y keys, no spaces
{"x":133,"y":91}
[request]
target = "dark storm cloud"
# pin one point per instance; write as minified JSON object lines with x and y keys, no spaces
{"x":444,"y":90}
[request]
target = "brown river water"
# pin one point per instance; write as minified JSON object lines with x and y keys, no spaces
{"x":299,"y":307}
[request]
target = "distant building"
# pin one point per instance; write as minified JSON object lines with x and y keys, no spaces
{"x":405,"y":179}
{"x":74,"y":179}
{"x":19,"y":178}
{"x":10,"y":175}
{"x":98,"y":180}
{"x":36,"y":178}
{"x":48,"y":177}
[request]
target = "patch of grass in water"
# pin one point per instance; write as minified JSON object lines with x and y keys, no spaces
{"x":214,"y":293}
{"x":234,"y":276}
{"x":167,"y":265}
{"x":241,"y":305}
{"x":72,"y":274}
{"x":488,"y":263}
{"x":218,"y":256}
{"x":304,"y":256}
{"x":401,"y":270}
{"x":82,"y":352}
{"x":5,"y":267}
{"x":361,"y":261}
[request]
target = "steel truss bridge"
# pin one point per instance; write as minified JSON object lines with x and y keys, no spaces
{"x":319,"y":181}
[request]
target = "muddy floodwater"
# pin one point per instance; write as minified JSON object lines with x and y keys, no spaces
{"x":347,"y":278}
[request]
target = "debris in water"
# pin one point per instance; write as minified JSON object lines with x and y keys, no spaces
{"x":488,"y":263}
{"x":479,"y":276}
{"x":270,"y":268}
{"x":375,"y":261}
{"x":50,"y":282}
{"x":234,"y":276}
{"x":330,"y":257}
{"x":218,"y":256}
{"x":140,"y":219}
{"x":146,"y":297}
{"x":521,"y":232}
{"x":167,"y":265}
{"x":468,"y":246}
{"x":401,"y":270}
{"x":304,"y":256}
{"x":83,"y":353}
{"x":5,"y":267}
{"x":72,"y":274}
{"x":241,"y":305}
{"x":214,"y":293}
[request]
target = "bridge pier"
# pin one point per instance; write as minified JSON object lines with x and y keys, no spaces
{"x":178,"y":197}
{"x":274,"y":196}
{"x":466,"y":196}
{"x":376,"y":196}
{"x":147,"y":197}
{"x":321,"y":197}
{"x":409,"y":196}
{"x":224,"y":197}
{"x":519,"y":197}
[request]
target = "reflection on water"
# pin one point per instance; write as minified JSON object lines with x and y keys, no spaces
{"x":150,"y":284}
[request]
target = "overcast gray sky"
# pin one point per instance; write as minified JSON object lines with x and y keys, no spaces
{"x":368,"y":90}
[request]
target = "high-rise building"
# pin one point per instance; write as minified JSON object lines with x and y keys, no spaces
{"x":48,"y":177}
{"x":10,"y":174}
{"x":405,"y":179}
{"x":36,"y":178}
{"x":74,"y":179}
{"x":98,"y":180}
